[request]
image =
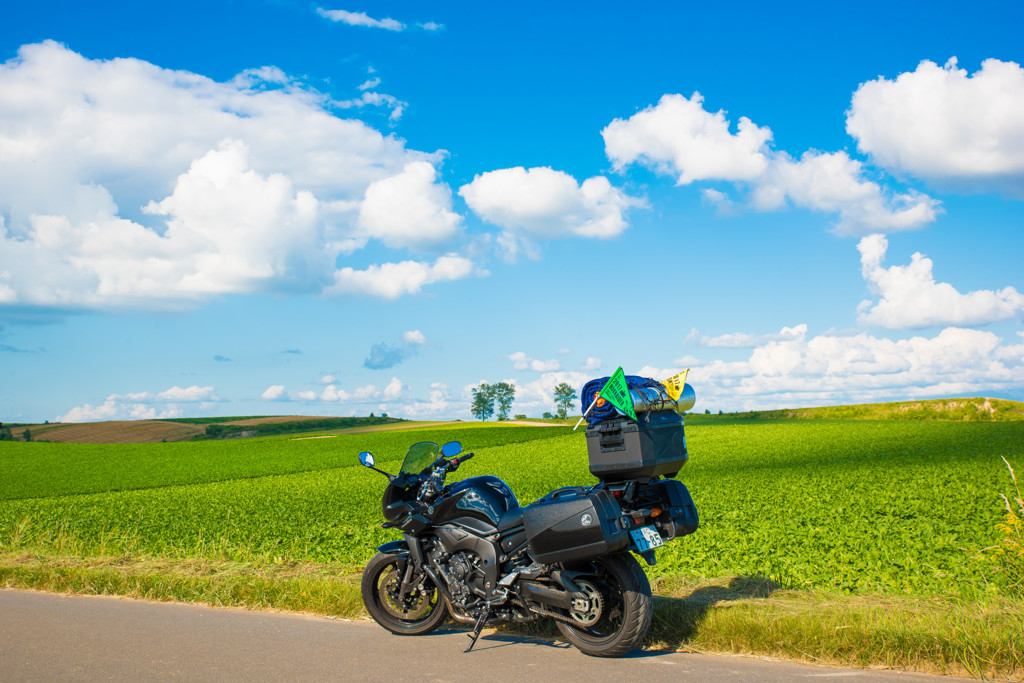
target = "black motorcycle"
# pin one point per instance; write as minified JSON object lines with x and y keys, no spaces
{"x":470,"y":551}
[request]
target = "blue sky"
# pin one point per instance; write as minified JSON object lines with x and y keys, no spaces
{"x":230,"y":208}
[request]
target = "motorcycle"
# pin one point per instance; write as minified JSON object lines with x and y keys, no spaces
{"x":469,"y":550}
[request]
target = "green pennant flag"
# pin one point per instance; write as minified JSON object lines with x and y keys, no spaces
{"x":616,"y":392}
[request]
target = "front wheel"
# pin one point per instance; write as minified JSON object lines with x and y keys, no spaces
{"x":625,"y":614}
{"x":420,"y":611}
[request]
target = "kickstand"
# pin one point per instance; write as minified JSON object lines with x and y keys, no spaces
{"x":478,"y":627}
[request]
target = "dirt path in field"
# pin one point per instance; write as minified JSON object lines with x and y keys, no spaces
{"x":46,"y":637}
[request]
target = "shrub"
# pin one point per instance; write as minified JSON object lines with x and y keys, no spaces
{"x":1010,"y":550}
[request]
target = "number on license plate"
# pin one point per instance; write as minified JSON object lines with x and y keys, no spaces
{"x":646,"y":538}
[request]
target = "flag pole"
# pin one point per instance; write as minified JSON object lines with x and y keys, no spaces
{"x":593,"y":403}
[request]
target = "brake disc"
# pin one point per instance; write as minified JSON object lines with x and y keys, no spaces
{"x":415,"y":604}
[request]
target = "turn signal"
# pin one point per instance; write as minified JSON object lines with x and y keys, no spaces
{"x":655,"y":512}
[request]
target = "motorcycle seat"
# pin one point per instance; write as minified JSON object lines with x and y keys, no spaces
{"x":511,"y":519}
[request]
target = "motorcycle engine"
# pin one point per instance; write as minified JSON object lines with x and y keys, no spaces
{"x":464,"y":567}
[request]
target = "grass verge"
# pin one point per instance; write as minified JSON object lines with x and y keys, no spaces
{"x":739,"y":615}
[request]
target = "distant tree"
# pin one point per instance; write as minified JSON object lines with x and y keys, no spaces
{"x":27,"y":434}
{"x":564,"y":396}
{"x":5,"y":433}
{"x":520,"y":417}
{"x":371,"y":414}
{"x":383,"y":414}
{"x":483,"y":402}
{"x":707,"y":411}
{"x":547,"y":415}
{"x":504,"y":393}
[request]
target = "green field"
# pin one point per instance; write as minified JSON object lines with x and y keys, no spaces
{"x":862,"y":507}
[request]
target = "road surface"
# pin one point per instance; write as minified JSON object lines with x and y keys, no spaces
{"x":47,"y":637}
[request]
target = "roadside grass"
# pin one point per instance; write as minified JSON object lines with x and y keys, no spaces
{"x":978,"y":637}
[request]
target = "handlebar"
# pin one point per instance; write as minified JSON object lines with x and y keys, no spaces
{"x":435,"y":482}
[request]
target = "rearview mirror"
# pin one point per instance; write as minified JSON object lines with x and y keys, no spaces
{"x":366,"y":458}
{"x":451,"y":449}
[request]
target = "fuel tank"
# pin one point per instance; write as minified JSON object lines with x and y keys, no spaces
{"x":483,"y":499}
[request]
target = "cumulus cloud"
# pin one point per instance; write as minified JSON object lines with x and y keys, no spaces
{"x":392,"y":280}
{"x":520,"y":361}
{"x":414,"y":337}
{"x":678,"y":137}
{"x":592,"y":364}
{"x":832,"y":369}
{"x":542,"y":203}
{"x":359,"y":19}
{"x":739,"y":340}
{"x":538,"y":396}
{"x":945,"y":125}
{"x":393,"y":390}
{"x":125,"y":184}
{"x":409,"y":209}
{"x":142,"y":405}
{"x":273,"y":392}
{"x":909,"y":296}
{"x":438,"y":404}
{"x":334,"y":394}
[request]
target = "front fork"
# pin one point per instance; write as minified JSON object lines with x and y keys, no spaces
{"x":412,"y":565}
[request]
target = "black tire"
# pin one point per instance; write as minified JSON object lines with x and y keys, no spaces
{"x":420,"y":612}
{"x":626,"y":612}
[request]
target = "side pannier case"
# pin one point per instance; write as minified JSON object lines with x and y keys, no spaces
{"x":680,"y":518}
{"x":644,"y":449}
{"x":570,"y":525}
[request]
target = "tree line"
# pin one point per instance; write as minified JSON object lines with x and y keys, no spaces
{"x":498,"y":397}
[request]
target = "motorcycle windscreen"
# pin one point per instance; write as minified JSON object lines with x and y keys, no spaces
{"x":420,"y":456}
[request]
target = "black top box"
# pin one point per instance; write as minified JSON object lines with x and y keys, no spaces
{"x":623,"y":449}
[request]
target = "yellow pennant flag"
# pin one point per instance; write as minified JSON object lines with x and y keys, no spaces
{"x":674,"y":384}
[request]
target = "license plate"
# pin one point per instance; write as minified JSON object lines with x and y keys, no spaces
{"x":646,"y":538}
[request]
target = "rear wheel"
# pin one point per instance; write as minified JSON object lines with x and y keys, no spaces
{"x":624,"y":615}
{"x":419,"y":611}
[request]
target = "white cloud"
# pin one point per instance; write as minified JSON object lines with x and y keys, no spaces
{"x":359,"y":19}
{"x":739,"y":340}
{"x":393,"y":390}
{"x":438,"y":405}
{"x":591,"y":364}
{"x":143,"y":405}
{"x":910,"y":297}
{"x":538,"y":396}
{"x":192,"y":394}
{"x":125,"y":184}
{"x":833,"y":182}
{"x":520,"y":361}
{"x":414,"y":337}
{"x":409,"y":209}
{"x":544,"y":203}
{"x":834,"y":369}
{"x":391,"y":280}
{"x":273,"y":392}
{"x":334,"y":394}
{"x":678,"y":137}
{"x":943,"y":125}
{"x":374,"y":99}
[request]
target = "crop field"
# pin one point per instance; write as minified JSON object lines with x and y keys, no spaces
{"x":858,"y":506}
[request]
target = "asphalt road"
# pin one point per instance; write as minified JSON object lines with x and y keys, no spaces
{"x":46,"y":637}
